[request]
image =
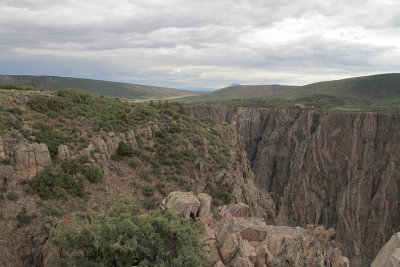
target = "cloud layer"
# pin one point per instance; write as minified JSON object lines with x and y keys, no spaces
{"x":178,"y":43}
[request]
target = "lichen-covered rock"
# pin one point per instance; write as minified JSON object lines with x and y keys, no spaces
{"x":389,"y":255}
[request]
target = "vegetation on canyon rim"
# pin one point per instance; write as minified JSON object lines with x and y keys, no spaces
{"x":60,"y":118}
{"x":122,"y":237}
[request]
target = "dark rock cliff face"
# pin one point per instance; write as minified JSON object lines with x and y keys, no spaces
{"x":340,"y":170}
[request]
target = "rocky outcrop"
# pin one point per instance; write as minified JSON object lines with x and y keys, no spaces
{"x":237,"y":175}
{"x":389,"y":255}
{"x":2,"y":153}
{"x":30,"y":159}
{"x":340,"y":170}
{"x":63,"y":152}
{"x":238,"y":240}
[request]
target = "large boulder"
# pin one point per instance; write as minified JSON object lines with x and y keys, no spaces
{"x":389,"y":255}
{"x":183,"y":204}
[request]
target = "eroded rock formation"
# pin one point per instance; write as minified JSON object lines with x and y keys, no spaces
{"x":239,"y":240}
{"x":336,"y":169}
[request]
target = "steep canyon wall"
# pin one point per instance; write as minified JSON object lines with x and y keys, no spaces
{"x":340,"y":170}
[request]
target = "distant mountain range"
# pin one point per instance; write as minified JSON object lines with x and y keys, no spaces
{"x":98,"y":87}
{"x":380,"y":93}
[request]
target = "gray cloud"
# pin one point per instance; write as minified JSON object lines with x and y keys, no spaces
{"x":207,"y":43}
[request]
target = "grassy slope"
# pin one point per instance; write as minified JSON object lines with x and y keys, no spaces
{"x":379,"y":93}
{"x":111,"y":89}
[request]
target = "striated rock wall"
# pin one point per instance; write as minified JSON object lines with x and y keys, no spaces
{"x":340,"y":170}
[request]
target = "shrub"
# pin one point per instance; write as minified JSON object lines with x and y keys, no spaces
{"x":221,"y":194}
{"x":133,"y":163}
{"x":174,"y":128}
{"x":12,"y":196}
{"x":148,"y":190}
{"x":151,"y":204}
{"x":17,"y":111}
{"x":50,"y":210}
{"x":144,"y":175}
{"x":94,"y":174}
{"x":58,"y":182}
{"x":24,"y":218}
{"x":7,"y":161}
{"x":119,"y":237}
{"x":3,"y":127}
{"x":160,"y":186}
{"x":181,"y":109}
{"x":124,"y":149}
{"x":322,"y":235}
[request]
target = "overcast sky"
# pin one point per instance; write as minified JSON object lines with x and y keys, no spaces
{"x":200,"y":43}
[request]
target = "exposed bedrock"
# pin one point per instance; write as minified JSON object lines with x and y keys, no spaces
{"x":340,"y":170}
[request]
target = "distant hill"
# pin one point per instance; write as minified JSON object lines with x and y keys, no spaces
{"x":378,"y":93}
{"x":98,"y":87}
{"x":239,"y":93}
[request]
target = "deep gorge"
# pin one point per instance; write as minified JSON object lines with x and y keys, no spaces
{"x":340,"y":170}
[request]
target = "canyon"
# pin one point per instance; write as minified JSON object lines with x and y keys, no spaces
{"x":336,"y":169}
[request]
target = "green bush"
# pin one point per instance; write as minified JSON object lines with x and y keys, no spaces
{"x":57,"y":182}
{"x":94,"y":174}
{"x":3,"y":127}
{"x":7,"y":161}
{"x":12,"y":196}
{"x":17,"y":111}
{"x":148,"y":190}
{"x":50,"y":209}
{"x":119,"y":237}
{"x":221,"y":194}
{"x":24,"y":218}
{"x":160,"y":186}
{"x":134,"y":163}
{"x":144,"y":175}
{"x":29,"y":87}
{"x":151,"y":204}
{"x":124,"y":149}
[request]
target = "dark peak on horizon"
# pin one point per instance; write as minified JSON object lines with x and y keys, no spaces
{"x":234,"y":84}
